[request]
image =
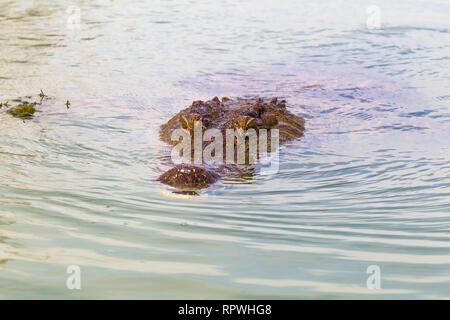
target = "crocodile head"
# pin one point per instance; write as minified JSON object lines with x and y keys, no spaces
{"x":239,"y":114}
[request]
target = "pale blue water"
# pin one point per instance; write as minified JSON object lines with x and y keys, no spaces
{"x":368,"y":184}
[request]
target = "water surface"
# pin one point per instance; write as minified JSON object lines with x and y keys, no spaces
{"x":368,"y":184}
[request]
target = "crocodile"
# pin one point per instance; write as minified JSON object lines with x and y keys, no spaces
{"x":240,"y":114}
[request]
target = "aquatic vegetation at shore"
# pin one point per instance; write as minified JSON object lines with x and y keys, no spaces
{"x":24,"y":110}
{"x":42,"y":95}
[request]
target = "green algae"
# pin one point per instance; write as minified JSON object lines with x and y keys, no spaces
{"x":20,"y":108}
{"x":24,"y":110}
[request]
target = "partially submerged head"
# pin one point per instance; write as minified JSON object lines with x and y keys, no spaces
{"x":240,"y":114}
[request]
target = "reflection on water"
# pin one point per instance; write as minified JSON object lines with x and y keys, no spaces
{"x":368,"y":184}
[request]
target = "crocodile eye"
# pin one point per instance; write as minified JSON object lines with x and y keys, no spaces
{"x":188,"y":121}
{"x":244,"y":123}
{"x":183,"y":122}
{"x":251,"y":123}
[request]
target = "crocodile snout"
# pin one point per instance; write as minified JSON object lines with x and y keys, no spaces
{"x":187,"y":177}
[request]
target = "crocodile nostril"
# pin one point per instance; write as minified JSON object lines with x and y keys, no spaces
{"x":188,"y":177}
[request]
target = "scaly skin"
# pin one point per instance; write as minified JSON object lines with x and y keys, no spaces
{"x":239,"y":113}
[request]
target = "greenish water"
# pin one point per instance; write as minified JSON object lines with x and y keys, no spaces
{"x":368,"y":184}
